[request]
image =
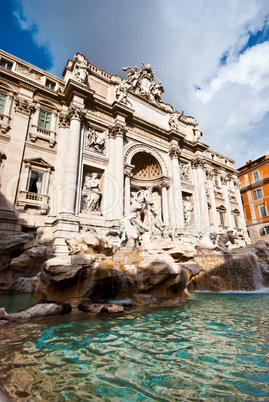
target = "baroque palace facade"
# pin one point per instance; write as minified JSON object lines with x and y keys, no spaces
{"x":254,"y":180}
{"x":93,"y":150}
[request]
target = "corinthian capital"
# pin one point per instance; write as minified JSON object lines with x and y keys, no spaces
{"x":174,"y":152}
{"x":198,"y":163}
{"x":209,"y":174}
{"x":64,"y":120}
{"x":117,"y":131}
{"x":23,"y":106}
{"x":76,"y":112}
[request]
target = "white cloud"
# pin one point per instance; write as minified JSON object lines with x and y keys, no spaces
{"x":184,"y":41}
{"x":251,"y":69}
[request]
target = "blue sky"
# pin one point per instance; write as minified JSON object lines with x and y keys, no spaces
{"x":211,"y":56}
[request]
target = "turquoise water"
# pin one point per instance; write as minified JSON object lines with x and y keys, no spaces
{"x":215,"y":347}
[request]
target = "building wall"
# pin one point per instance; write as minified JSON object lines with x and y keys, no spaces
{"x":57,"y":133}
{"x":254,"y":180}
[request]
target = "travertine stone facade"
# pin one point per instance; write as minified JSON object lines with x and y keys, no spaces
{"x":85,"y":151}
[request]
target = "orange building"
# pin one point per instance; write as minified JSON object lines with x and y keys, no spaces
{"x":254,"y":181}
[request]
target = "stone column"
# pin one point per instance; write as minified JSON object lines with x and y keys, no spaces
{"x":178,"y":221}
{"x":203,"y":217}
{"x":62,"y":146}
{"x":127,"y":189}
{"x":107,"y":204}
{"x":116,"y":174}
{"x":230,"y":220}
{"x":165,"y":204}
{"x":72,"y":161}
{"x":215,"y":218}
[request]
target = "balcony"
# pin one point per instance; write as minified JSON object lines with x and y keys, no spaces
{"x":253,"y":184}
{"x":43,"y":134}
{"x":33,"y":200}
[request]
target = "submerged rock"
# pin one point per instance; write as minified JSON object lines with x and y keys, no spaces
{"x":39,"y":310}
{"x":94,"y":308}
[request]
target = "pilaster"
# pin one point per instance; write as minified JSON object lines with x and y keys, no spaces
{"x":178,"y":221}
{"x":70,"y":189}
{"x":201,"y":201}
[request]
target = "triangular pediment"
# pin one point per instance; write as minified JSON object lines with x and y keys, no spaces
{"x":221,"y":208}
{"x":39,"y":162}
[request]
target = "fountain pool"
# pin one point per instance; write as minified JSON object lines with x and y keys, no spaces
{"x":213,"y":347}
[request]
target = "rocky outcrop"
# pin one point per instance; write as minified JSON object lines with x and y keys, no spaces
{"x":124,"y":275}
{"x":21,"y":258}
{"x":97,"y":268}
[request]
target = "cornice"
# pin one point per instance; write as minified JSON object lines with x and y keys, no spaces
{"x":94,"y":157}
{"x":5,"y":138}
{"x":30,"y":145}
{"x":73,"y":87}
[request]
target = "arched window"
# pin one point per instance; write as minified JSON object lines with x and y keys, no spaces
{"x":145,"y":166}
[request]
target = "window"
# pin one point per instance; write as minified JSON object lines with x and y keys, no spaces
{"x":264,"y":231}
{"x":29,"y":229}
{"x":256,"y":176}
{"x":242,"y":200}
{"x":6,"y":64}
{"x":236,"y":221}
{"x":258,"y":194}
{"x":50,"y":84}
{"x":2,"y":103}
{"x":36,"y":182}
{"x":221,"y":216}
{"x":44,"y":119}
{"x":216,"y":180}
{"x":263,"y":212}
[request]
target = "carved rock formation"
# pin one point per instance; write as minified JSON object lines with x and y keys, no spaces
{"x":99,"y":269}
{"x":242,"y":269}
{"x":21,"y":258}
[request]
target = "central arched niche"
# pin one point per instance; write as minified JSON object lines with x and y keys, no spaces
{"x":145,"y":172}
{"x":146,"y":167}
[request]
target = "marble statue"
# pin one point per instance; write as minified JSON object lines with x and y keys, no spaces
{"x":92,"y":194}
{"x":81,"y":71}
{"x":184,"y":171}
{"x":187,"y":210}
{"x":197,"y":134}
{"x":95,"y":141}
{"x":173,"y":120}
{"x":121,"y":91}
{"x":141,"y":80}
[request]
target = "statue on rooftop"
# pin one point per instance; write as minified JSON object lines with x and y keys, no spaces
{"x":141,"y":80}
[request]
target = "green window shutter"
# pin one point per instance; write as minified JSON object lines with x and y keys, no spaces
{"x":2,"y":103}
{"x":44,"y":119}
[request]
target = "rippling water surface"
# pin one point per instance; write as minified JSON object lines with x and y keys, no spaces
{"x":213,"y":347}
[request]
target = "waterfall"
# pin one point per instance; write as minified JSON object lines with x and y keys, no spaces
{"x":227,"y":272}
